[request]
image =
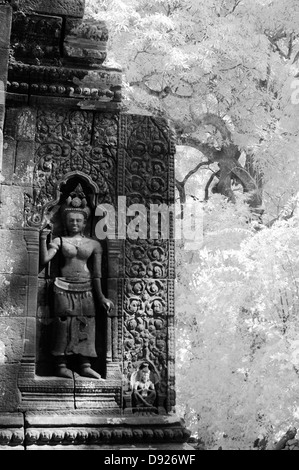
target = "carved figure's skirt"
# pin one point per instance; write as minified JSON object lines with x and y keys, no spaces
{"x":74,"y":319}
{"x":73,"y":298}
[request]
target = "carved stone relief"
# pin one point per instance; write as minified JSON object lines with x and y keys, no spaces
{"x":147,"y":258}
{"x":36,"y":37}
{"x":147,"y":165}
{"x":149,"y":262}
{"x":145,"y":332}
{"x":76,"y":134}
{"x":64,"y":146}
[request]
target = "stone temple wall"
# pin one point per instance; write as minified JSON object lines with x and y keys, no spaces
{"x":62,"y":125}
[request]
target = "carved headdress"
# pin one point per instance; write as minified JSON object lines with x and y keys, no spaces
{"x":76,"y":202}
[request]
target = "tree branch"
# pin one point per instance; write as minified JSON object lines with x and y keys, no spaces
{"x":237,"y":3}
{"x":213,"y":120}
{"x":191,"y":172}
{"x":211,"y":153}
{"x":209,"y":182}
{"x":290,"y":45}
{"x":231,"y":68}
{"x":161,"y":94}
{"x":280,"y":34}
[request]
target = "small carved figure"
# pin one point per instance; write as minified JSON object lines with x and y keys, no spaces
{"x":75,"y":291}
{"x":144,"y":390}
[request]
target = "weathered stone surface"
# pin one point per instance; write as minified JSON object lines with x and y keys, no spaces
{"x":24,"y":163}
{"x":11,"y":431}
{"x":13,"y":252}
{"x":5,"y":21}
{"x":93,"y":418}
{"x":12,"y":207}
{"x":13,"y":98}
{"x":8,"y":447}
{"x":114,"y":448}
{"x":86,"y":40}
{"x":9,"y":394}
{"x":55,"y":7}
{"x":25,"y":125}
{"x":15,"y":420}
{"x":83,"y":430}
{"x":13,"y":295}
{"x":3,"y":64}
{"x":9,"y":156}
{"x":18,"y":147}
{"x":36,"y":38}
{"x":11,"y":117}
{"x":11,"y":339}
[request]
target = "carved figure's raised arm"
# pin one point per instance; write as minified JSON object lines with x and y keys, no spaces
{"x":47,"y":252}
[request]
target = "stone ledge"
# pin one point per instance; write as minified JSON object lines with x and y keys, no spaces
{"x":11,"y":431}
{"x":90,"y":428}
{"x":87,"y":417}
{"x":73,"y":8}
{"x":103,"y":435}
{"x":58,"y":430}
{"x":184,"y":447}
{"x":11,"y":419}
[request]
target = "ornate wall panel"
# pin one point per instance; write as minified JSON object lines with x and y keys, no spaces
{"x":149,"y":263}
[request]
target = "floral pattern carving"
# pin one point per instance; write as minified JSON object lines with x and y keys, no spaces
{"x":147,"y":258}
{"x":148,"y":155}
{"x":65,"y":143}
{"x":145,"y":324}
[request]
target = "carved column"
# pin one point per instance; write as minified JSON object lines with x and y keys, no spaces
{"x":148,"y":308}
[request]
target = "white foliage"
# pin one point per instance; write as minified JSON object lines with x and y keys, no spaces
{"x":237,"y":313}
{"x":237,"y":299}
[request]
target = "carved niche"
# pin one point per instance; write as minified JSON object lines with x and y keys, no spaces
{"x":72,"y":147}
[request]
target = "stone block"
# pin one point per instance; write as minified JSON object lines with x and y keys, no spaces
{"x":12,"y":431}
{"x":86,"y":41}
{"x":12,"y":331}
{"x":24,"y":163}
{"x":11,"y":117}
{"x":25,"y":125}
{"x":54,"y":101}
{"x":32,"y":296}
{"x":3,"y":64}
{"x":36,"y":37}
{"x":14,"y":420}
{"x":73,"y":8}
{"x":2,"y":110}
{"x":12,"y":207}
{"x":31,"y":237}
{"x":5,"y":21}
{"x":13,"y":252}
{"x":14,"y":98}
{"x":9,"y":393}
{"x":9,"y":156}
{"x":13,"y":295}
